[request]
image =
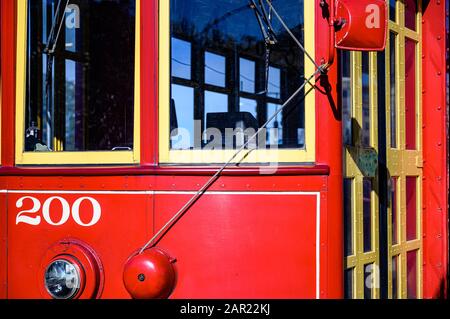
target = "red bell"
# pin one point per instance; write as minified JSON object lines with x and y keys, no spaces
{"x":150,"y":275}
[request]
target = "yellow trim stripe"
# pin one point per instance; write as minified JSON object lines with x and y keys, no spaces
{"x":257,"y":156}
{"x":61,"y":158}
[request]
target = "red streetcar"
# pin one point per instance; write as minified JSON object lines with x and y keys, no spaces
{"x":223,"y":149}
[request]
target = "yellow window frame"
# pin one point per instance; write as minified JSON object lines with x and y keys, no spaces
{"x":404,"y":163}
{"x":168,"y":156}
{"x":61,"y":158}
{"x":360,"y":259}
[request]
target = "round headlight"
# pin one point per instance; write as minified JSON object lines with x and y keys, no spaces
{"x":62,"y":279}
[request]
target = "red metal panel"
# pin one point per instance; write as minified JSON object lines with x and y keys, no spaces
{"x":435,"y":202}
{"x":329,"y":152}
{"x":7,"y":60}
{"x":174,"y":183}
{"x":243,"y":245}
{"x":125,"y":223}
{"x":164,"y":170}
{"x":3,"y":245}
{"x":149,"y":82}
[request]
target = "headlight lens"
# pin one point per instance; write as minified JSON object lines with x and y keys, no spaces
{"x":62,"y":279}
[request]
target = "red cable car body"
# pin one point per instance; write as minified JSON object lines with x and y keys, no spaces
{"x":249,"y":236}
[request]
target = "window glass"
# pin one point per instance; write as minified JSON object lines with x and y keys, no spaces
{"x":410,"y":14}
{"x":393,"y":86}
{"x":395,"y":278}
{"x":348,"y":221}
{"x":411,"y":208}
{"x":73,"y":103}
{"x":346,"y":96}
{"x":367,"y":214}
{"x":247,"y":75}
{"x":214,"y":69}
{"x":369,"y":280}
{"x":411,"y":265}
{"x":394,"y":210}
{"x":392,"y":10}
{"x":181,"y":58}
{"x":183,"y":100}
{"x":236,"y":81}
{"x":348,"y":282}
{"x":410,"y":93}
{"x":365,"y":132}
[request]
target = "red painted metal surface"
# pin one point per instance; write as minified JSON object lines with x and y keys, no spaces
{"x":362,"y":25}
{"x":3,"y":247}
{"x":149,"y":82}
{"x":248,"y":251}
{"x":258,"y":237}
{"x":7,"y":60}
{"x":329,"y":152}
{"x":435,"y":183}
{"x":149,"y":194}
{"x":126,"y":222}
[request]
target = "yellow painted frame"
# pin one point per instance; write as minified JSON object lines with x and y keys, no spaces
{"x":167,"y":156}
{"x":61,"y":158}
{"x":403,"y":163}
{"x":360,"y":259}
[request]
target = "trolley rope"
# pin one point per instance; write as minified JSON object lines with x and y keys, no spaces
{"x":322,"y":69}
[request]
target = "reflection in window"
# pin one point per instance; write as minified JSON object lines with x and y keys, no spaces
{"x":410,"y":94}
{"x":346,"y":96}
{"x":411,"y":271}
{"x":367,"y":214}
{"x":394,"y":210}
{"x":348,"y":282}
{"x":250,"y":106}
{"x":181,"y":59}
{"x":218,"y":50}
{"x":365,"y":132}
{"x":392,"y":10}
{"x":214,"y":69}
{"x":274,"y":83}
{"x":275,"y":128}
{"x":395,"y":277}
{"x":393,"y":86}
{"x":348,"y":220}
{"x":369,"y":278}
{"x":247,"y":75}
{"x":183,"y":102}
{"x":72,"y":102}
{"x":410,"y":14}
{"x":411,"y":208}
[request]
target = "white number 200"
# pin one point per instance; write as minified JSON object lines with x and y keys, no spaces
{"x":25,"y":216}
